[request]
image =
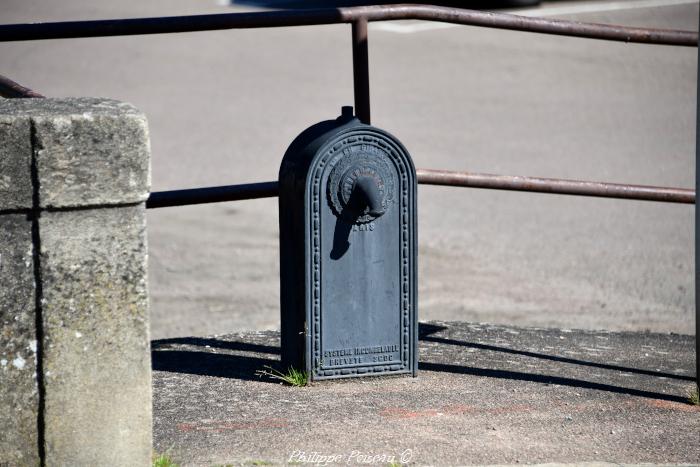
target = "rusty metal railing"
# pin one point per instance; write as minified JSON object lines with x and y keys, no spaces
{"x":359,"y":17}
{"x":10,"y":89}
{"x":309,"y":17}
{"x":218,"y":194}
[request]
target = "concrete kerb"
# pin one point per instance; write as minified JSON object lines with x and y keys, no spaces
{"x":74,"y":347}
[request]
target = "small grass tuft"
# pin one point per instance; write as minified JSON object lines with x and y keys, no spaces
{"x":162,"y":460}
{"x":293,"y":377}
{"x":260,"y":463}
{"x":694,"y":397}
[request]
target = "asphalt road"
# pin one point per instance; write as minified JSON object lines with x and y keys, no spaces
{"x":223,"y":106}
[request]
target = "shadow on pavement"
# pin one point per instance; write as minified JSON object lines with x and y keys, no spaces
{"x":161,"y":344}
{"x":182,"y":355}
{"x":556,"y":358}
{"x":425,"y":331}
{"x":547,"y":379}
{"x":211,"y":364}
{"x":177,"y":355}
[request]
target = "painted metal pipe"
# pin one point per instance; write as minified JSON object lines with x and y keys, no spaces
{"x":173,"y":24}
{"x":445,"y":178}
{"x":10,"y":89}
{"x":555,"y":185}
{"x":360,"y":69}
{"x":215,"y":194}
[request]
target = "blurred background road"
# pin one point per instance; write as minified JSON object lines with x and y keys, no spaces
{"x":223,"y":106}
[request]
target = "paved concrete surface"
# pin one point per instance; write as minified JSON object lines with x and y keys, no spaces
{"x":485,"y":394}
{"x":223,"y":106}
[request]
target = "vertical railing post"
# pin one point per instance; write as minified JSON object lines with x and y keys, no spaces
{"x":360,"y":69}
{"x":697,"y":233}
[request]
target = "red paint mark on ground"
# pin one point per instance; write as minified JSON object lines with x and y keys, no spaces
{"x":510,"y":409}
{"x":459,"y":409}
{"x":405,"y":413}
{"x":218,"y":426}
{"x":670,"y":405}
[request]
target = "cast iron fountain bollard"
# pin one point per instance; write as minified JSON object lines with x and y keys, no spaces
{"x":348,"y":252}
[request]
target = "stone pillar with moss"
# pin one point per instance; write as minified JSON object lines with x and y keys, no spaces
{"x":75,"y":371}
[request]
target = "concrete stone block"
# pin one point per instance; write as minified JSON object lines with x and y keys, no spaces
{"x":15,"y":163}
{"x":97,"y":369}
{"x":89,"y":152}
{"x":87,"y":400}
{"x":19,"y":399}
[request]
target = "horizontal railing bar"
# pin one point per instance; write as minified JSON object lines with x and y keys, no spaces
{"x":214,"y":194}
{"x":441,"y":177}
{"x":210,"y":22}
{"x":556,"y":186}
{"x":10,"y":89}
